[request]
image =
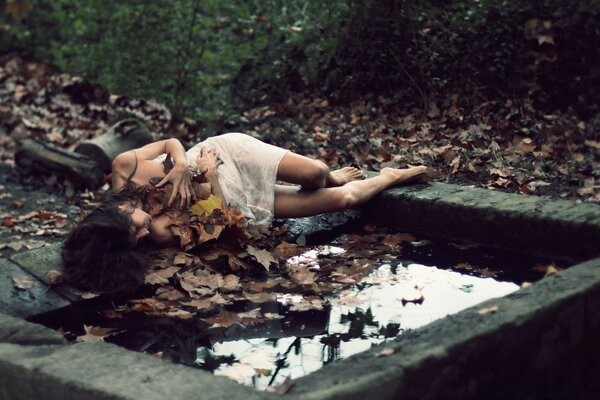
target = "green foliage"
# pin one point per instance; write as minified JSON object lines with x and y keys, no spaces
{"x":202,"y":58}
{"x":207,"y":58}
{"x":546,"y":49}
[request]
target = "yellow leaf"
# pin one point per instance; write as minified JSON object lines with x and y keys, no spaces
{"x":18,"y":9}
{"x":206,"y":206}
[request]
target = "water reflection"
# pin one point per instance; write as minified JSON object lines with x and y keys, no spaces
{"x":391,"y":300}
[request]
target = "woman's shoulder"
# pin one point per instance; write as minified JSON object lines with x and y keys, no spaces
{"x":123,"y":168}
{"x":125,"y":163}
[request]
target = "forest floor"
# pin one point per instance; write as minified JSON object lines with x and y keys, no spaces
{"x":508,"y":146}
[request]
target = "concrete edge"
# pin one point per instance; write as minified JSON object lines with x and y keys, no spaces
{"x":553,"y":322}
{"x":543,"y":225}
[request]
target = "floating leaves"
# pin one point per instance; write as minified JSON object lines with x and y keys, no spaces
{"x":263,"y":257}
{"x":94,"y":334}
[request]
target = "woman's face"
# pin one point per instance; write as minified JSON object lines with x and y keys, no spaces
{"x":140,"y":220}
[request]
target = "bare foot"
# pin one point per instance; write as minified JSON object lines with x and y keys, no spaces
{"x":344,"y":175}
{"x":398,"y":176}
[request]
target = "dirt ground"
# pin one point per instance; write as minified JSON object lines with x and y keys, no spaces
{"x":500,"y":145}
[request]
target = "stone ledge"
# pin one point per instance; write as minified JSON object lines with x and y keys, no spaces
{"x":29,"y":302}
{"x":542,"y":341}
{"x":18,"y":331}
{"x":532,"y":223}
{"x":105,"y":371}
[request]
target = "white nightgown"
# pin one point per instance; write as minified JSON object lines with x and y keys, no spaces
{"x":247,"y":175}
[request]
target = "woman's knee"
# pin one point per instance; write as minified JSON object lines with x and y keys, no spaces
{"x":345,"y":199}
{"x":315,"y":175}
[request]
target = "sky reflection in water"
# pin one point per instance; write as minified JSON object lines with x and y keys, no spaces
{"x":389,"y":301}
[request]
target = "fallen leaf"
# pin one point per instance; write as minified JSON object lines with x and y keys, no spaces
{"x":22,"y":282}
{"x":263,"y":257}
{"x":303,"y":276}
{"x":283,"y":388}
{"x":88,"y":295}
{"x":198,"y":304}
{"x":230,"y":283}
{"x":94,"y":334}
{"x":388,"y":351}
{"x":488,"y":310}
{"x":54,"y":277}
{"x":551,"y":270}
{"x":463,"y":265}
{"x":161,"y":276}
{"x":206,"y":206}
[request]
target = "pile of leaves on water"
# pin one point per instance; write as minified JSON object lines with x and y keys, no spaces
{"x":216,"y":274}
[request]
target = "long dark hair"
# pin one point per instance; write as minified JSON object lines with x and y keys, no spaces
{"x":98,"y":254}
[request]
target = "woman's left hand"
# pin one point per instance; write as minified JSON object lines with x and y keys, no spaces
{"x":181,"y":178}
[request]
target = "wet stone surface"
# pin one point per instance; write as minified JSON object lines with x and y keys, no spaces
{"x":23,"y":295}
{"x":531,"y":223}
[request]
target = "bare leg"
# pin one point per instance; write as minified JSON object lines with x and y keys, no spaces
{"x":313,"y":174}
{"x":290,"y":203}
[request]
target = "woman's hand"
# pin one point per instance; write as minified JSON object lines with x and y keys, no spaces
{"x":181,"y":178}
{"x":208,"y":160}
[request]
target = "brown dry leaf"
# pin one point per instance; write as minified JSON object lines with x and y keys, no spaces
{"x":54,"y":277}
{"x":455,"y":164}
{"x":551,"y":270}
{"x":463,"y":265}
{"x":169,"y":293}
{"x":285,"y":387}
{"x":198,"y":304}
{"x":593,"y":143}
{"x":195,"y":284}
{"x":88,"y":295}
{"x":22,"y":282}
{"x":395,"y":239}
{"x":218,"y":299}
{"x":285,"y":250}
{"x":340,"y":278}
{"x":94,"y":334}
{"x":389,"y":351}
{"x":161,"y":276}
{"x":259,"y":297}
{"x":181,"y":314}
{"x":486,"y":272}
{"x":8,"y":222}
{"x":263,"y":257}
{"x":183,"y":259}
{"x":263,"y":371}
{"x":227,"y":318}
{"x":230,"y":283}
{"x":488,"y":310}
{"x":306,"y":304}
{"x":303,"y":276}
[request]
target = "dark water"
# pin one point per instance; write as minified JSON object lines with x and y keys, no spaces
{"x":422,"y":283}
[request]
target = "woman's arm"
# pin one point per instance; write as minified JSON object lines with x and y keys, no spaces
{"x":181,"y":178}
{"x":208,"y":160}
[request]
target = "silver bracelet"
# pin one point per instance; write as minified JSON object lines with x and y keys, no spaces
{"x":197,"y":171}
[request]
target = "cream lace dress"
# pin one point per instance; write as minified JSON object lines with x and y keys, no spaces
{"x":247,"y":175}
